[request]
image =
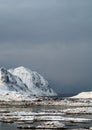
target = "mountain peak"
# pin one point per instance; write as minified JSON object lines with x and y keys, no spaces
{"x":22,"y":68}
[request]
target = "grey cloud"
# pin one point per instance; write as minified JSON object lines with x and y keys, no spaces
{"x":39,"y":22}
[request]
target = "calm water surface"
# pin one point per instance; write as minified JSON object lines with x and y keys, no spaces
{"x":7,"y":126}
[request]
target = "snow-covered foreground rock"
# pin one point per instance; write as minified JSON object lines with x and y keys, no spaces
{"x":21,"y":83}
{"x":83,"y":95}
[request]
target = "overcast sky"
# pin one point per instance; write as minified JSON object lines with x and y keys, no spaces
{"x":53,"y":37}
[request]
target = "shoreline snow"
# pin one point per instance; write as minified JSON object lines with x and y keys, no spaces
{"x":83,"y":95}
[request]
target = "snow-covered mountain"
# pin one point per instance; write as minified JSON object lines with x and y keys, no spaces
{"x":23,"y":80}
{"x":34,"y":81}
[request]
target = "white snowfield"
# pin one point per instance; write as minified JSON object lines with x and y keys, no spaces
{"x":21,"y":83}
{"x":83,"y":95}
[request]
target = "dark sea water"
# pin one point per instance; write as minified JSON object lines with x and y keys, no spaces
{"x":7,"y":126}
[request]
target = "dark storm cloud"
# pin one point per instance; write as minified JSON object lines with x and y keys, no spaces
{"x":53,"y":37}
{"x":45,"y":21}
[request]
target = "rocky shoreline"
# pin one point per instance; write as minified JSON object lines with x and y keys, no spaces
{"x":48,"y":113}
